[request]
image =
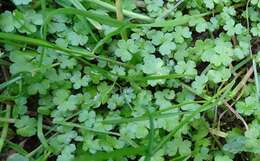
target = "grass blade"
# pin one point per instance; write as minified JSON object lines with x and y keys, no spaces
{"x":125,"y":12}
{"x":85,"y":128}
{"x":9,"y":82}
{"x":79,"y":6}
{"x":156,"y":77}
{"x":210,"y":103}
{"x":16,"y":147}
{"x":5,"y":127}
{"x":171,"y":23}
{"x":151,"y":137}
{"x":115,"y":154}
{"x":71,"y":52}
{"x":40,"y":132}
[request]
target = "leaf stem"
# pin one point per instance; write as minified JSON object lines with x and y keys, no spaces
{"x":5,"y":127}
{"x":40,"y":132}
{"x":120,"y":16}
{"x":79,"y":6}
{"x":125,"y":12}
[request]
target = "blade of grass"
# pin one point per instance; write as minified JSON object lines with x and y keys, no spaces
{"x":177,"y":21}
{"x":43,"y":157}
{"x":171,"y":23}
{"x":85,"y":23}
{"x":156,"y":77}
{"x":5,"y":127}
{"x":72,"y":52}
{"x":73,"y":11}
{"x":171,"y":9}
{"x":40,"y":133}
{"x":150,"y":136}
{"x":143,"y":118}
{"x":4,"y":98}
{"x":116,"y":154}
{"x":10,"y":121}
{"x":79,"y":6}
{"x":209,"y":104}
{"x":9,"y":82}
{"x":43,"y":5}
{"x":251,"y":54}
{"x":125,"y":12}
{"x":120,"y":17}
{"x":240,"y":64}
{"x":69,"y":124}
{"x":16,"y":147}
{"x":108,"y":36}
{"x":158,"y":114}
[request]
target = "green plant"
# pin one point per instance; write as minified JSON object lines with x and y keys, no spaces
{"x":129,"y":80}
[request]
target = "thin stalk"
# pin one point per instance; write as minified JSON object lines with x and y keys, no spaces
{"x":125,"y":12}
{"x":158,"y":114}
{"x":78,"y":5}
{"x":88,"y":129}
{"x":8,"y":83}
{"x":144,"y":118}
{"x":40,"y":132}
{"x":166,"y":76}
{"x":116,"y":154}
{"x":240,"y":64}
{"x":16,"y":147}
{"x":120,"y":17}
{"x":5,"y":127}
{"x":251,"y":54}
{"x":150,"y":137}
{"x":172,"y":9}
{"x":43,"y":5}
{"x":209,"y":104}
{"x":72,"y":52}
{"x":10,"y":121}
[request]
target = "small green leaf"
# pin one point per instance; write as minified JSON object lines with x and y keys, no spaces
{"x":248,"y":106}
{"x":7,"y":22}
{"x":26,"y":126}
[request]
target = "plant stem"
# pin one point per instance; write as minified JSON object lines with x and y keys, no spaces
{"x":172,"y":9}
{"x":79,"y":6}
{"x":125,"y":12}
{"x":120,"y":17}
{"x":5,"y":127}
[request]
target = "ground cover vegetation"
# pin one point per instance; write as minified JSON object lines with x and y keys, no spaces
{"x":136,"y":80}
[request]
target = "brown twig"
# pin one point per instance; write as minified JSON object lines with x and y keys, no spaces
{"x":242,"y":83}
{"x":220,"y":117}
{"x":234,"y":40}
{"x":238,"y":116}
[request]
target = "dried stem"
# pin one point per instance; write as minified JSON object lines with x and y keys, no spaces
{"x":238,"y":116}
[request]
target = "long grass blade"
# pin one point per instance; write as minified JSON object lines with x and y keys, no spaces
{"x":150,"y":137}
{"x":79,"y":6}
{"x":125,"y":12}
{"x":16,"y":147}
{"x":43,"y":43}
{"x":115,"y":154}
{"x":40,"y":132}
{"x":9,"y":82}
{"x":209,"y":104}
{"x":69,"y":124}
{"x":5,"y":127}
